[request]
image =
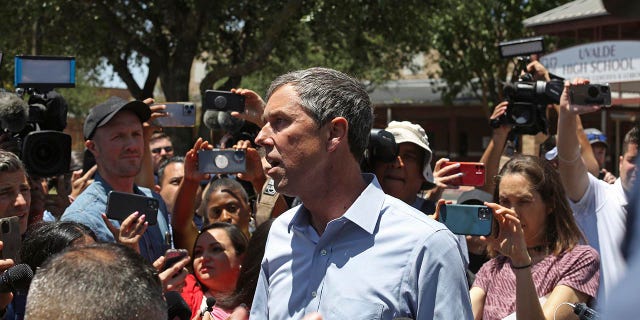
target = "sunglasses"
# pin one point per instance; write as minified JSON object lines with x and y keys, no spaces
{"x":596,"y":137}
{"x":166,"y":149}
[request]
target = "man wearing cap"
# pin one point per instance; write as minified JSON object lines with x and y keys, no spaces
{"x":598,"y":141}
{"x":114,"y":135}
{"x":411,"y":171}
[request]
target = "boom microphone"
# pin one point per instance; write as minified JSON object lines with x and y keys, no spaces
{"x":176,"y":306}
{"x":16,"y":278}
{"x":210,"y":119}
{"x":13,"y":112}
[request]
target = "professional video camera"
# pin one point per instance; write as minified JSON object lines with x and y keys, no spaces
{"x":35,"y":127}
{"x":382,"y":147}
{"x":528,"y":99}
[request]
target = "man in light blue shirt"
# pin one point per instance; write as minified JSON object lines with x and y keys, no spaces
{"x":113,"y":133}
{"x":349,"y":251}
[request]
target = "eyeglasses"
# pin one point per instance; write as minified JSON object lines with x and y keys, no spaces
{"x":166,"y":149}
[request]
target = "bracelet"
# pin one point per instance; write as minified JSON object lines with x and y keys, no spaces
{"x":522,"y":267}
{"x":572,"y":160}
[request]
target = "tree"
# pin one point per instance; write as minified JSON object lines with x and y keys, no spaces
{"x":466,"y":35}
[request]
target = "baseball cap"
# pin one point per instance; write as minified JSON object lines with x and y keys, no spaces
{"x":596,"y":136}
{"x":102,"y":113}
{"x":405,"y":131}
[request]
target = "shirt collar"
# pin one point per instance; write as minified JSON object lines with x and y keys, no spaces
{"x":107,"y":187}
{"x":363,"y":212}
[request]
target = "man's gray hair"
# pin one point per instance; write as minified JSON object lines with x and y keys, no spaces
{"x":9,"y":162}
{"x":99,"y":281}
{"x":327,"y":94}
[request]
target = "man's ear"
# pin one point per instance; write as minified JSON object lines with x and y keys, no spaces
{"x":337,"y":132}
{"x":157,"y":188}
{"x":90,"y":145}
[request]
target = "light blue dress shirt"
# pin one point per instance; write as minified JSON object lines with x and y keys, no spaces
{"x":92,"y":202}
{"x":382,"y":259}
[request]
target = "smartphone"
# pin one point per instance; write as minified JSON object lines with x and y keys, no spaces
{"x":473,"y":174}
{"x":88,"y":161}
{"x":223,"y":101}
{"x":120,"y":205}
{"x":590,"y":94}
{"x":11,"y":239}
{"x":466,"y":219}
{"x":172,"y":257}
{"x":179,"y":114}
{"x":222,"y":161}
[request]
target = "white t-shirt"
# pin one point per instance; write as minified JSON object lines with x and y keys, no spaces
{"x":601,"y":215}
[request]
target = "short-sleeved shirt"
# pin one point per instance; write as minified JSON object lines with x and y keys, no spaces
{"x":382,"y":259}
{"x":601,"y":215}
{"x":577,"y":269}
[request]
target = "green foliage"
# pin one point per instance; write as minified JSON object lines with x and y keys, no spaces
{"x":466,"y":34}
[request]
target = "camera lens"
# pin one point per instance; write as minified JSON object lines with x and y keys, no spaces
{"x":238,"y":156}
{"x":593,"y":91}
{"x":220,"y":102}
{"x":221,"y":161}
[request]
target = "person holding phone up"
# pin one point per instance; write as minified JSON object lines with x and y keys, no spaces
{"x":113,"y":133}
{"x":538,"y":262}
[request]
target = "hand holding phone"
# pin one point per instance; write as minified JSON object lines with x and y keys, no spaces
{"x":473,"y":220}
{"x":223,"y":101}
{"x":222,"y":161}
{"x":178,"y":114}
{"x":172,"y":256}
{"x":473,"y":173}
{"x":121,"y":204}
{"x":11,"y":239}
{"x":590,"y":94}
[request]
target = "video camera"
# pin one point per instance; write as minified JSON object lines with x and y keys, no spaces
{"x":528,"y":99}
{"x":382,"y":147}
{"x":35,"y":127}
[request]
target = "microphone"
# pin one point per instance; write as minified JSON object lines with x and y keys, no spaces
{"x":211,"y":301}
{"x":584,"y":312}
{"x":13,"y":112}
{"x":176,"y":306}
{"x":16,"y":278}
{"x":210,"y":119}
{"x":230,"y":123}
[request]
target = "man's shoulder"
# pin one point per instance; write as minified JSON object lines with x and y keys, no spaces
{"x":396,"y":211}
{"x":91,"y":200}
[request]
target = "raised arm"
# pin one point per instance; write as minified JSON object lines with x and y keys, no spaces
{"x":491,"y":156}
{"x":185,"y":231}
{"x":573,"y":172}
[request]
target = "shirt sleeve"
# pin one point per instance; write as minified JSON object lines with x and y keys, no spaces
{"x":442,"y":290}
{"x":260,"y":308}
{"x":483,"y":276}
{"x":581,"y":270}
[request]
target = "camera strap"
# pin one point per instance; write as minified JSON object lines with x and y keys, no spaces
{"x":266,"y":202}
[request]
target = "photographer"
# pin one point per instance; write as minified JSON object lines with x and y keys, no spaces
{"x":114,"y":135}
{"x":599,"y":207}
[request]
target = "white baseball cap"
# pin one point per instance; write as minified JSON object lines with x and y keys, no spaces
{"x":405,"y":131}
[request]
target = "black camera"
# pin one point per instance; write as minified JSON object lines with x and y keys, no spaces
{"x":34,"y":128}
{"x":382,"y":147}
{"x":528,"y":99}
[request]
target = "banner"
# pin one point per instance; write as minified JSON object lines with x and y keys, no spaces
{"x":600,"y":62}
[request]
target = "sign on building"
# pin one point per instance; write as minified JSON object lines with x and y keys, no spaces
{"x":600,"y":62}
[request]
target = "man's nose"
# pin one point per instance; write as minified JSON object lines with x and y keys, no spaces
{"x":263,"y":135}
{"x":398,"y":163}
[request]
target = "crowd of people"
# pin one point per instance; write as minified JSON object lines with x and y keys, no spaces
{"x":304,"y":232}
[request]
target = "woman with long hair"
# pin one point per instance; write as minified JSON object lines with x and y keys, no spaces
{"x":538,"y":263}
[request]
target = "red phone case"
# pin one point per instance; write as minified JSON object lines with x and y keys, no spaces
{"x":473,"y":174}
